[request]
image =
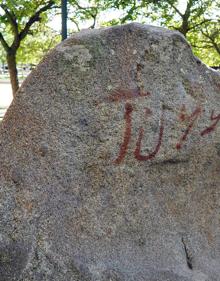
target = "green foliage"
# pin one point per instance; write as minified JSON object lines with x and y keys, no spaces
{"x":90,"y":11}
{"x":197,"y":21}
{"x":15,"y":14}
{"x":17,"y":20}
{"x":206,"y":42}
{"x":87,"y":11}
{"x":34,"y":47}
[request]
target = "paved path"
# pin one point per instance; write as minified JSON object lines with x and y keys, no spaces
{"x":5,"y":94}
{"x":5,"y":97}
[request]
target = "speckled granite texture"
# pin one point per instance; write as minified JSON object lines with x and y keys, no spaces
{"x":110,"y":163}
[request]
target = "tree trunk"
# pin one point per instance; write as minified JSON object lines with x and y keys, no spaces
{"x":184,"y":26}
{"x":12,"y":67}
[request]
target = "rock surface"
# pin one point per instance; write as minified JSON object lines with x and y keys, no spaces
{"x":110,"y":163}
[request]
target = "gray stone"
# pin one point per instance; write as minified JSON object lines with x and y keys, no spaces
{"x":110,"y":163}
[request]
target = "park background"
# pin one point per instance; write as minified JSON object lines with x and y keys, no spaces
{"x":29,"y":29}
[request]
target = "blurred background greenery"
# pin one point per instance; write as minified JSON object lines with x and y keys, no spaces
{"x":29,"y":29}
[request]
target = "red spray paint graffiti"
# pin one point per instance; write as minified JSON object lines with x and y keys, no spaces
{"x":127,"y":134}
{"x":137,"y":152}
{"x":211,"y":128}
{"x":191,"y":119}
{"x":121,"y":95}
{"x":126,"y":95}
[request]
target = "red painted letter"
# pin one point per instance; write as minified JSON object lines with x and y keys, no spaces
{"x":137,"y":152}
{"x":127,"y":134}
{"x":192,"y":118}
{"x":211,"y":128}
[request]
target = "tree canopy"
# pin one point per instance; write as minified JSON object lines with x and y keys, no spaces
{"x":26,"y":37}
{"x":197,"y":20}
{"x":17,"y":18}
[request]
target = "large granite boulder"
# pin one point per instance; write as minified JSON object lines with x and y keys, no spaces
{"x":110,"y":163}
